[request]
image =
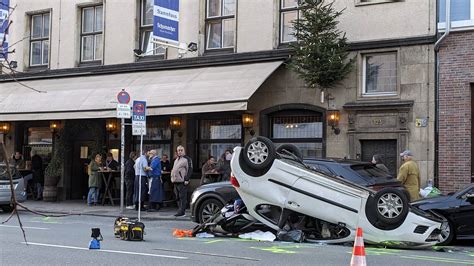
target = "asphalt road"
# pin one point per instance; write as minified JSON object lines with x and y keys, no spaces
{"x":61,"y":241}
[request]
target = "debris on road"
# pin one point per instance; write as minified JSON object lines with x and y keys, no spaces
{"x":259,"y":235}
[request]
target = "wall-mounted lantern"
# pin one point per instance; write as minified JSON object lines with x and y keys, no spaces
{"x":54,"y":125}
{"x":247,"y":123}
{"x":4,"y":127}
{"x":333,"y":120}
{"x":175,"y":125}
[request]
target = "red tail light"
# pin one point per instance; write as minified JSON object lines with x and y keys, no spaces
{"x":234,"y":181}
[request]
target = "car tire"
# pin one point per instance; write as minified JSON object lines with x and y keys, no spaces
{"x":391,"y":207}
{"x":447,"y":232}
{"x":257,"y":156}
{"x":7,"y":208}
{"x":208,"y":208}
{"x":290,"y":148}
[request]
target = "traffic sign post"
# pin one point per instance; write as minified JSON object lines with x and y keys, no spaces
{"x":123,"y":111}
{"x":139,"y":128}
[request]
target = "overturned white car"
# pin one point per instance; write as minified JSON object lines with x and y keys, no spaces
{"x":284,"y":193}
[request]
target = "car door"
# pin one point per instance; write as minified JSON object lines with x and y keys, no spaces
{"x":327,"y":198}
{"x":464,"y":215}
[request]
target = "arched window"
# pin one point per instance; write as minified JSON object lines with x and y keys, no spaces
{"x":303,"y":128}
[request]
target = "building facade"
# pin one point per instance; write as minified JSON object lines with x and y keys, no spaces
{"x":456,"y":86}
{"x":79,"y":54}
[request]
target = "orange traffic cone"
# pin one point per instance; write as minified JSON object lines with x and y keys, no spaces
{"x":358,"y":253}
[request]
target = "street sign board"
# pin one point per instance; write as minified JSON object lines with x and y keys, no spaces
{"x":166,"y":20}
{"x":139,"y":118}
{"x":123,"y":97}
{"x":4,"y":11}
{"x":123,"y":110}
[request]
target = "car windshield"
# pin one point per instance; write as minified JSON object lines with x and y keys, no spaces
{"x":4,"y":173}
{"x":370,"y":171}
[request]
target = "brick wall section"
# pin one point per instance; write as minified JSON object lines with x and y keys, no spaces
{"x":456,"y":57}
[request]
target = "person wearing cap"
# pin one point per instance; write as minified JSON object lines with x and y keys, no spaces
{"x":409,"y":175}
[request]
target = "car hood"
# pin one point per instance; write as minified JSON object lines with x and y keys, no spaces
{"x":216,"y":185}
{"x":431,"y":200}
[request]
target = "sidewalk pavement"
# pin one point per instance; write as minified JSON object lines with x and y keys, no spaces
{"x":79,"y":207}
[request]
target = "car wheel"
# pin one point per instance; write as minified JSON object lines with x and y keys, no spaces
{"x":7,"y":208}
{"x":258,"y":154}
{"x":208,"y":209}
{"x":290,"y":148}
{"x":391,"y":206}
{"x":447,"y":233}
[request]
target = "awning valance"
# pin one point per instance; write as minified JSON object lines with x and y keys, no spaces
{"x":180,"y":91}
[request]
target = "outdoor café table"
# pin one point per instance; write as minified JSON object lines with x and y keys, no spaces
{"x":107,"y":176}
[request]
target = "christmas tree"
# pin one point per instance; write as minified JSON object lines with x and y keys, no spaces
{"x":321,"y":50}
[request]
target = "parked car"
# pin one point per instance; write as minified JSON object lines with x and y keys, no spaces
{"x":282,"y":192}
{"x":208,"y":199}
{"x":5,"y":192}
{"x":457,"y":209}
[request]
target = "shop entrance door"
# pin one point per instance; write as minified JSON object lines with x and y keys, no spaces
{"x":387,"y":148}
{"x":79,"y":176}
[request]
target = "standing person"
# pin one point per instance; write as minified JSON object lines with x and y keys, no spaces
{"x":377,"y":159}
{"x":409,"y":175}
{"x":94,"y":180}
{"x":38,"y":176}
{"x":208,"y":167}
{"x":180,"y":174}
{"x":166,"y":175}
{"x":17,"y":160}
{"x":130,"y":179}
{"x":110,"y":163}
{"x":155,"y":183}
{"x":224,"y":165}
{"x":141,"y":171}
{"x":165,"y":163}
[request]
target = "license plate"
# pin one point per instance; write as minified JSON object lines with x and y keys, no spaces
{"x":4,"y":186}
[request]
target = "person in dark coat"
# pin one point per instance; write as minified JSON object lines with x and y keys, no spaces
{"x":155,"y":183}
{"x":110,"y":163}
{"x":38,"y":175}
{"x":130,"y":179}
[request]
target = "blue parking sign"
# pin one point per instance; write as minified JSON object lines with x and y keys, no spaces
{"x":139,"y":111}
{"x":139,"y":118}
{"x":166,"y":20}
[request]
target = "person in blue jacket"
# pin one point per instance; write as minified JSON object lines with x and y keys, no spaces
{"x":155,"y":183}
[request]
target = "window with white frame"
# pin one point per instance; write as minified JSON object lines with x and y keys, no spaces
{"x":39,"y":39}
{"x":92,"y":33}
{"x":379,"y":74}
{"x":288,"y":15}
{"x":220,"y":24}
{"x":146,"y":30}
{"x":461,"y":13}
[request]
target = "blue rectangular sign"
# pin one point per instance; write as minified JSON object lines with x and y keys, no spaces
{"x":166,"y":20}
{"x":139,"y":111}
{"x":4,"y":10}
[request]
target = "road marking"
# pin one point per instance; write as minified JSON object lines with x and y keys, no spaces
{"x":207,"y":254}
{"x":106,"y":250}
{"x":25,"y":227}
{"x":439,"y":259}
